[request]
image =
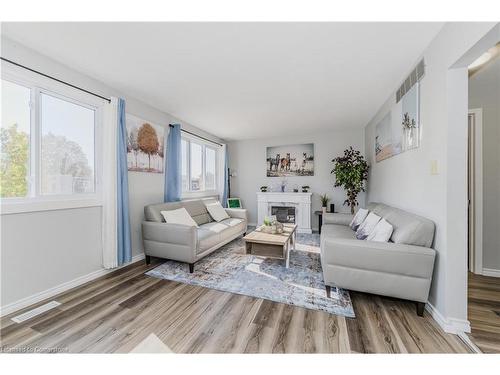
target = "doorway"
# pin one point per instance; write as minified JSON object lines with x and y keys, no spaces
{"x":483,"y":187}
{"x":475,"y":191}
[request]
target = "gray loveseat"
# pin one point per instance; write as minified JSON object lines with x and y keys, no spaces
{"x":184,"y":243}
{"x":401,"y":268}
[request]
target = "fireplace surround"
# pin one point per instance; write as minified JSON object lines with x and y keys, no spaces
{"x":299,"y":203}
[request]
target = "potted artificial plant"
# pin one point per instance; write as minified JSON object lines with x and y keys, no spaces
{"x":324,"y":202}
{"x":351,"y":172}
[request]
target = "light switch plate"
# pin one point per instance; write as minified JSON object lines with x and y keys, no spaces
{"x":434,"y":167}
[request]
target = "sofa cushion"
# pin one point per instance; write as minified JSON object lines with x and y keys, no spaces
{"x":336,"y":231}
{"x":358,"y":218}
{"x":207,"y":238}
{"x":213,"y":233}
{"x":179,"y":216}
{"x":216,"y":211}
{"x":196,"y":209}
{"x":382,"y":232}
{"x":409,"y":229}
{"x":234,"y":226}
{"x":367,"y":226}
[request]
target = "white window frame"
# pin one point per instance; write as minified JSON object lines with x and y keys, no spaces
{"x":202,"y":192}
{"x":34,"y":201}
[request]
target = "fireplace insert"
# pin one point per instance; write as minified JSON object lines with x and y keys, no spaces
{"x":284,"y":214}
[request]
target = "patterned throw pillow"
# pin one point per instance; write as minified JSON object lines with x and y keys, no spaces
{"x":358,"y":219}
{"x":382,"y":232}
{"x":367,"y":226}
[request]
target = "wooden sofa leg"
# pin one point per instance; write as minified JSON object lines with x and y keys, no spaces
{"x":420,"y":308}
{"x":191,"y":267}
{"x":148,"y":259}
{"x":328,"y":291}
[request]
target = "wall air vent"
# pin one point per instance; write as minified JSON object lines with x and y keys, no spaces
{"x":415,"y":76}
{"x":37,"y":311}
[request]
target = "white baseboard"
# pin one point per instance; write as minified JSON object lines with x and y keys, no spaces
{"x":35,"y":298}
{"x":449,"y":325}
{"x":491,"y":272}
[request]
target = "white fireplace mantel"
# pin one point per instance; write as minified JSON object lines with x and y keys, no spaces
{"x":301,"y":202}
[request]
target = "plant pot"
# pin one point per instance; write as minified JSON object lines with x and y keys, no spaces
{"x":323,"y":209}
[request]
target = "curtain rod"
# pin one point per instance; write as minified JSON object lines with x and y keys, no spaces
{"x":55,"y":79}
{"x":196,"y":135}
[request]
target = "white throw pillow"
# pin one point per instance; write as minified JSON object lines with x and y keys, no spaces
{"x":179,"y":216}
{"x":217,"y":212}
{"x":381,"y":233}
{"x":367,"y":226}
{"x":358,"y":219}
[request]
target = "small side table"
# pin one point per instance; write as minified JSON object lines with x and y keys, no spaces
{"x":320,"y":219}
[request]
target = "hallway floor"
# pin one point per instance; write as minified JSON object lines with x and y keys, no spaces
{"x":484,"y":312}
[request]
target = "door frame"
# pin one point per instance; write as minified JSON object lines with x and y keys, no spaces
{"x":476,"y":201}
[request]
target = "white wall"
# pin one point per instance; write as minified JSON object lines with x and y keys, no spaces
{"x":55,"y":247}
{"x":248,"y":158}
{"x":406,"y":181}
{"x":484,"y":92}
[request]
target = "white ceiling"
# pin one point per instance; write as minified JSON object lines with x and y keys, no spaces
{"x":242,"y":80}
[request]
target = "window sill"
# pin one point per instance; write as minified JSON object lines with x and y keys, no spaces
{"x":201,"y":194}
{"x":10,"y":208}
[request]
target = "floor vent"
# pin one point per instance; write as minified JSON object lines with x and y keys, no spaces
{"x":32,"y":313}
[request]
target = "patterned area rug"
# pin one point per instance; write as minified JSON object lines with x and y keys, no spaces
{"x":229,"y":269}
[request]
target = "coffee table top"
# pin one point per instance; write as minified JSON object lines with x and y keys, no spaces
{"x":257,"y":236}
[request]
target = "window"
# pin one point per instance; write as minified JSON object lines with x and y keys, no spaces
{"x":185,"y":165}
{"x":15,"y":140}
{"x":48,"y":145}
{"x":67,"y":150}
{"x":209,"y":168}
{"x":199,"y":166}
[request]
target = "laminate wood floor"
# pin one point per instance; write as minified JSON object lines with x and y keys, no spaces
{"x":484,"y":312}
{"x":118,"y":311}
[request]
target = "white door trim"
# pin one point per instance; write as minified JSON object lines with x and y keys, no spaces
{"x":477,"y":127}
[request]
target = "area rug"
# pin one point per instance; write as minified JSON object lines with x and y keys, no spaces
{"x":230,"y":269}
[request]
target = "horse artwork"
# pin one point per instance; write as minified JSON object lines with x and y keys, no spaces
{"x":290,"y":160}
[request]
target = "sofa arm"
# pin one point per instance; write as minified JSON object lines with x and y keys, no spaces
{"x":337,"y":218}
{"x":389,"y":257}
{"x":169,"y":233}
{"x":238,"y":213}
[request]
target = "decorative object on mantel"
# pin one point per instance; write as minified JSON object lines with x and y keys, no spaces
{"x":296,"y":189}
{"x":290,"y":160}
{"x":283,"y":185}
{"x":351,"y":172}
{"x":263,"y":189}
{"x":324,"y":202}
{"x":234,"y":203}
{"x":332,"y":207}
{"x":305,"y":188}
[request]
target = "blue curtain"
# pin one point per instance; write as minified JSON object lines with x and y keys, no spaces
{"x":173,"y":178}
{"x":225,"y":190}
{"x":123,"y":220}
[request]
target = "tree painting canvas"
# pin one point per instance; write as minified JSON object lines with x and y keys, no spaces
{"x":291,"y":160}
{"x":145,"y":145}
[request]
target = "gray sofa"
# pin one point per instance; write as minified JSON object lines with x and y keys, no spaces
{"x":401,"y":268}
{"x":184,"y":243}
